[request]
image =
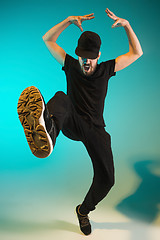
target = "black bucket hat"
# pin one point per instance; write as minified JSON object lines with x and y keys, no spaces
{"x":88,"y":45}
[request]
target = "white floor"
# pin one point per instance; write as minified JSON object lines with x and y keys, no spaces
{"x":61,"y":223}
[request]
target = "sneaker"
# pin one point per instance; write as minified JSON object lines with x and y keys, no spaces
{"x":39,"y":128}
{"x":84,"y":223}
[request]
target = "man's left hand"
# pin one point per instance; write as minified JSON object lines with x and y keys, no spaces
{"x":119,"y":22}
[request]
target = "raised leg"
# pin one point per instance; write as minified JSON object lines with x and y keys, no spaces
{"x":38,"y":127}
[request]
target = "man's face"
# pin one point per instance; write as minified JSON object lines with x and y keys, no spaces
{"x":88,"y":66}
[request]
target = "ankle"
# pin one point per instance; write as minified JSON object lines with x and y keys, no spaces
{"x":81,"y":212}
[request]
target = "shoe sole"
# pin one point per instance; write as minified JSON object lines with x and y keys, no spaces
{"x":30,"y":110}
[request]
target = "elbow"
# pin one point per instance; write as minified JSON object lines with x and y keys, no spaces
{"x":47,"y":39}
{"x":141,"y":53}
{"x":44,"y":38}
{"x":138,"y":52}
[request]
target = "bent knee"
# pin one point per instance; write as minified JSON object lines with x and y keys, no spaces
{"x":61,"y":98}
{"x":109,"y":181}
{"x":60,"y":94}
{"x":106,"y":181}
{"x":112,"y":182}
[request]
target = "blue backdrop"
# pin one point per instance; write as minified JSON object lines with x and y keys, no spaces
{"x":132,"y":111}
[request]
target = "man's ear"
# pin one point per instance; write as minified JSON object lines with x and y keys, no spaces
{"x":99,"y":54}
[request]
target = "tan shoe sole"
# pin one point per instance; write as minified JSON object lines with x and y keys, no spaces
{"x":30,"y":110}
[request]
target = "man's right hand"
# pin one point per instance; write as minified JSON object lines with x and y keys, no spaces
{"x":77,"y":20}
{"x":51,"y":36}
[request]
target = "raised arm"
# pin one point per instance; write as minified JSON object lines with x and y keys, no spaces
{"x":51,"y":36}
{"x":135,"y":50}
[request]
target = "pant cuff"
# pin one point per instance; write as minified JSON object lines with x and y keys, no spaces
{"x":83,"y":210}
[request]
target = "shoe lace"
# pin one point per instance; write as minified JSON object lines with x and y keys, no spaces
{"x":84,"y":220}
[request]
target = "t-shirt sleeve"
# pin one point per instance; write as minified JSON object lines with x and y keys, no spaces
{"x":67,"y":62}
{"x":110,"y":65}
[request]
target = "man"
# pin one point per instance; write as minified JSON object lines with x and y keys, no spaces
{"x":79,"y":114}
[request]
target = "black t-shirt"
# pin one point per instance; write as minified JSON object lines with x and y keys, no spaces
{"x":88,"y":93}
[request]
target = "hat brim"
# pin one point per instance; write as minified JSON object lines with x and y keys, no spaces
{"x":86,"y":54}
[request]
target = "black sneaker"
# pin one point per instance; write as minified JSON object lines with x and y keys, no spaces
{"x":39,"y":128}
{"x":84,"y":223}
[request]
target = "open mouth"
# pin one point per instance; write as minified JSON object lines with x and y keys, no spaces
{"x":86,"y":67}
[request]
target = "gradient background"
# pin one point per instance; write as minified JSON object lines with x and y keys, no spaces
{"x":38,"y":196}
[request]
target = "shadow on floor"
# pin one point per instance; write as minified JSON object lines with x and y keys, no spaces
{"x":142,"y":207}
{"x":136,"y":231}
{"x":143,"y":204}
{"x":9,"y":225}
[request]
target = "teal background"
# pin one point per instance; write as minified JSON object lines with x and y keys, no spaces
{"x":132,"y":111}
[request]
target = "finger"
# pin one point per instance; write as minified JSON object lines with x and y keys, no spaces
{"x":116,"y":24}
{"x":88,"y":15}
{"x":107,"y":9}
{"x":109,"y":12}
{"x":81,"y":28}
{"x":87,"y":18}
{"x":79,"y":25}
{"x":114,"y":17}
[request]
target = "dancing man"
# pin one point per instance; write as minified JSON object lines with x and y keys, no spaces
{"x":79,"y":113}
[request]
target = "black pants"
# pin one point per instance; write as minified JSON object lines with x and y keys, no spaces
{"x":97,"y":142}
